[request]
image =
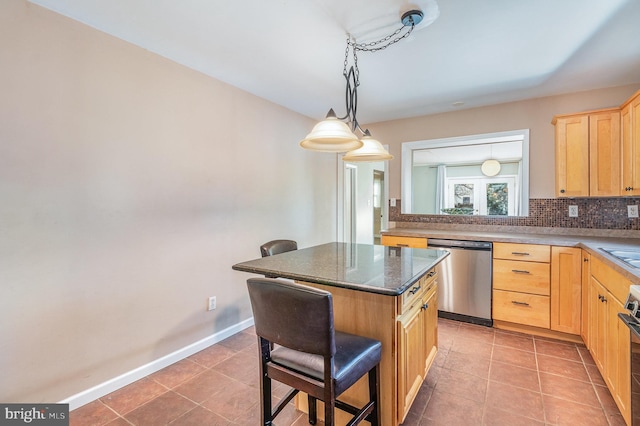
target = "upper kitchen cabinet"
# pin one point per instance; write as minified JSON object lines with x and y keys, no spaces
{"x":630,"y":130}
{"x":588,"y":153}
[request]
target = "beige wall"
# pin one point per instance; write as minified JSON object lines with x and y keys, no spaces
{"x":129,"y":185}
{"x":534,"y":114}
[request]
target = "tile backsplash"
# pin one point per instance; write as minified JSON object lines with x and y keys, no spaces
{"x":593,"y":213}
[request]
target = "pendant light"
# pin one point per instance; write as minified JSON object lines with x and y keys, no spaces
{"x":492,"y":166}
{"x":338,"y":134}
{"x":371,"y":150}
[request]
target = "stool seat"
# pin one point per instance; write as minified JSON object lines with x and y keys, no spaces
{"x":354,"y":356}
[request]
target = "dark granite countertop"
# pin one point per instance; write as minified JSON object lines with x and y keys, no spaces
{"x":363,"y":267}
{"x":592,"y":244}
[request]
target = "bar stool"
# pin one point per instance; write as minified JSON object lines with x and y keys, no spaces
{"x":277,"y":247}
{"x":310,"y":355}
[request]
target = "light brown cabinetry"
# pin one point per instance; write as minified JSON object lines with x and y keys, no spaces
{"x":417,"y":343}
{"x":407,"y":327}
{"x":566,"y":289}
{"x":608,"y":338}
{"x":538,"y":286}
{"x":521,"y":284}
{"x":586,"y":275}
{"x":588,"y":153}
{"x":395,"y":241}
{"x":630,"y":131}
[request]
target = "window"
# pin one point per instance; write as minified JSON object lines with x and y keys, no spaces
{"x":480,"y":196}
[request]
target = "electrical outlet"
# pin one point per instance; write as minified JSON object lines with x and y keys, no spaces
{"x":392,"y":202}
{"x":632,"y":211}
{"x":212,"y":303}
{"x":573,"y":211}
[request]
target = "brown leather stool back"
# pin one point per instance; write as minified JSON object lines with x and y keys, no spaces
{"x":277,"y":247}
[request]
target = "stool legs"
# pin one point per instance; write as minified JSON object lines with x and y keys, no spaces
{"x":374,"y":395}
{"x":313,"y":410}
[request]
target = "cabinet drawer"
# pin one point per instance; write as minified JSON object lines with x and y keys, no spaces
{"x":395,"y":241}
{"x":525,"y":277}
{"x":525,"y":252}
{"x":521,"y":308}
{"x":415,"y":293}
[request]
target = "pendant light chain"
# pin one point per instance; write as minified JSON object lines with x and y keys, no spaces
{"x":374,"y":46}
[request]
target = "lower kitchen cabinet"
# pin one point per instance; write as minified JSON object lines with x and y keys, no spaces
{"x":407,"y":327}
{"x":538,"y":286}
{"x":608,"y":338}
{"x":586,"y":275}
{"x":597,"y":322}
{"x":417,"y":345}
{"x":566,"y":289}
{"x":396,"y":241}
{"x":521,"y":308}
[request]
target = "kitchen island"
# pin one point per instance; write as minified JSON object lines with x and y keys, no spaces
{"x":386,"y":293}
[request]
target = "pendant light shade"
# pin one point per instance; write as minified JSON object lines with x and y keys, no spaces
{"x":490,"y":167}
{"x":372,"y":150}
{"x":331,"y":135}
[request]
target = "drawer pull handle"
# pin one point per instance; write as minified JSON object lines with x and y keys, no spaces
{"x":430,"y":274}
{"x":415,"y":289}
{"x":424,"y":307}
{"x":402,"y":245}
{"x":520,"y":271}
{"x":520,"y":253}
{"x":515,"y":302}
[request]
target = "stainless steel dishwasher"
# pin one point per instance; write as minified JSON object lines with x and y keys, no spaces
{"x":464,"y":283}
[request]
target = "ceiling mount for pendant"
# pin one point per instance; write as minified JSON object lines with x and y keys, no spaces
{"x":412,"y":17}
{"x":337,"y":134}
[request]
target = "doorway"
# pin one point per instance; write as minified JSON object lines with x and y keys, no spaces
{"x":378,"y":191}
{"x":363,"y":212}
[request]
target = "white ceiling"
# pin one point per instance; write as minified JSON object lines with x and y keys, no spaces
{"x":291,"y":52}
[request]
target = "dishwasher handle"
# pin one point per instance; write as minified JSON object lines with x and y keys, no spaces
{"x":459,"y":244}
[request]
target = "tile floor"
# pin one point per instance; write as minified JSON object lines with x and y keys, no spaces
{"x":481,"y":376}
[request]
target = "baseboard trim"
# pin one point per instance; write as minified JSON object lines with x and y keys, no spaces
{"x":98,"y":391}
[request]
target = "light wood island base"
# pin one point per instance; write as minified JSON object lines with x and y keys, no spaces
{"x":381,"y":317}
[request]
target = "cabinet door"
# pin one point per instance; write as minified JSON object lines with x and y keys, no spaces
{"x":604,"y":154}
{"x":586,"y":273}
{"x":430,"y":327}
{"x":630,"y":131}
{"x":566,"y":289}
{"x":411,"y":358}
{"x":618,"y":357}
{"x":597,"y":323}
{"x":572,"y":156}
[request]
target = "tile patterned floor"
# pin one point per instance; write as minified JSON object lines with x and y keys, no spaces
{"x":481,"y":376}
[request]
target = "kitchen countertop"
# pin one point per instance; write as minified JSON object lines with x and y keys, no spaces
{"x":591,"y":244}
{"x":363,"y":267}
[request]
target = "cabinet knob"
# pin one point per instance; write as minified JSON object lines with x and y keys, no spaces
{"x":562,"y":191}
{"x":586,"y":259}
{"x":425,"y":307}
